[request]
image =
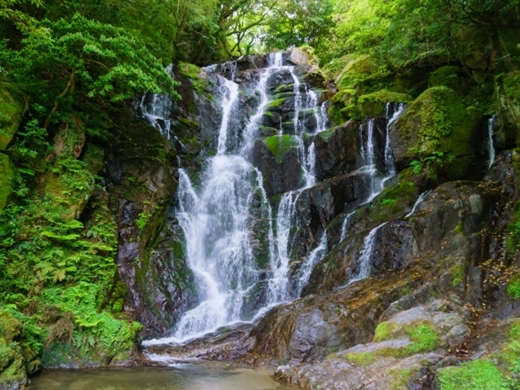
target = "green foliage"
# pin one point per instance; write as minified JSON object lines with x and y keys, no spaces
{"x":280,"y":145}
{"x":361,"y":358}
{"x":416,"y":166}
{"x":513,"y":287}
{"x":457,"y":275}
{"x":477,"y":374}
{"x":294,"y":23}
{"x":105,"y":60}
{"x":423,"y":338}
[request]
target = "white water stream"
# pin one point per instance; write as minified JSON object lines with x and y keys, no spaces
{"x":216,"y":219}
{"x":491,"y":147}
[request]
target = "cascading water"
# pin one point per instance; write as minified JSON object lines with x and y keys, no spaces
{"x":345,"y":226}
{"x":379,"y":179}
{"x":365,"y":256}
{"x":310,"y":262}
{"x":491,"y":147}
{"x":216,"y":218}
{"x":155,"y":108}
{"x":419,"y":200}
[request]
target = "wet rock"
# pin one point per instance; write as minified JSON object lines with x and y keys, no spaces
{"x":278,"y":177}
{"x":347,"y":316}
{"x":227,"y":343}
{"x":337,"y":151}
{"x":13,"y":373}
{"x":417,"y":135}
{"x":457,"y":334}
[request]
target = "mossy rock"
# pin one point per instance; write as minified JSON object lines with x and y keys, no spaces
{"x":10,"y":117}
{"x":7,"y":172}
{"x":195,"y":74}
{"x":10,"y":327}
{"x":281,"y":145}
{"x":477,"y":374}
{"x":68,"y":185}
{"x":437,"y":128}
{"x":360,"y":70}
{"x":12,"y":364}
{"x":93,"y":156}
{"x":445,"y":76}
{"x":344,"y":106}
{"x":374,"y":104}
{"x":507,"y":102}
{"x":304,"y":56}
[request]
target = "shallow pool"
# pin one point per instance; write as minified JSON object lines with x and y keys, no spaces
{"x":214,"y":376}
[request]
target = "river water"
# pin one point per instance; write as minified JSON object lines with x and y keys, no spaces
{"x":206,"y":376}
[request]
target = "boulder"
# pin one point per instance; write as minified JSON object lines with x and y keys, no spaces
{"x":10,"y":117}
{"x":507,"y":102}
{"x":441,"y":134}
{"x":7,"y":172}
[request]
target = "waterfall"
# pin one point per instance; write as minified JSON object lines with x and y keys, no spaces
{"x":491,"y":148}
{"x":345,"y":226}
{"x":417,"y":203}
{"x":365,"y":256}
{"x":229,"y":93}
{"x":217,"y":222}
{"x":378,"y":179}
{"x":216,"y":215}
{"x":310,"y":262}
{"x":156,"y":109}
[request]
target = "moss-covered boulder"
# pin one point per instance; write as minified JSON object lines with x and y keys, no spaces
{"x":12,"y":363}
{"x":6,"y":179}
{"x":10,"y":117}
{"x":280,"y":145}
{"x":445,"y":76}
{"x":360,"y":70}
{"x":440,"y":132}
{"x":374,"y":104}
{"x":507,"y":102}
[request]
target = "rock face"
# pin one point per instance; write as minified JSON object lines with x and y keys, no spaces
{"x":6,"y":179}
{"x":150,"y":260}
{"x":403,"y":276}
{"x":438,"y":125}
{"x":10,"y":117}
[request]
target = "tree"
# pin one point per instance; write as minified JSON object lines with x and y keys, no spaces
{"x":84,"y":57}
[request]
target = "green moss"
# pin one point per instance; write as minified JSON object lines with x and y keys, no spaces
{"x":457,"y":274}
{"x":344,"y":106}
{"x":400,"y":378}
{"x":384,"y":330}
{"x":6,"y":179}
{"x":477,"y":374}
{"x":374,"y":104}
{"x":361,"y":358}
{"x":93,"y":157}
{"x":513,"y":287}
{"x":423,"y":338}
{"x":10,"y":117}
{"x":360,"y":70}
{"x":446,"y":76}
{"x":325,"y":135}
{"x":274,"y":104}
{"x":281,"y":145}
{"x":194,"y":73}
{"x":439,"y":125}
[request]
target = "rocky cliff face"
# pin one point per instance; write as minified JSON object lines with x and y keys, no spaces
{"x":401,"y":236}
{"x":413,"y":274}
